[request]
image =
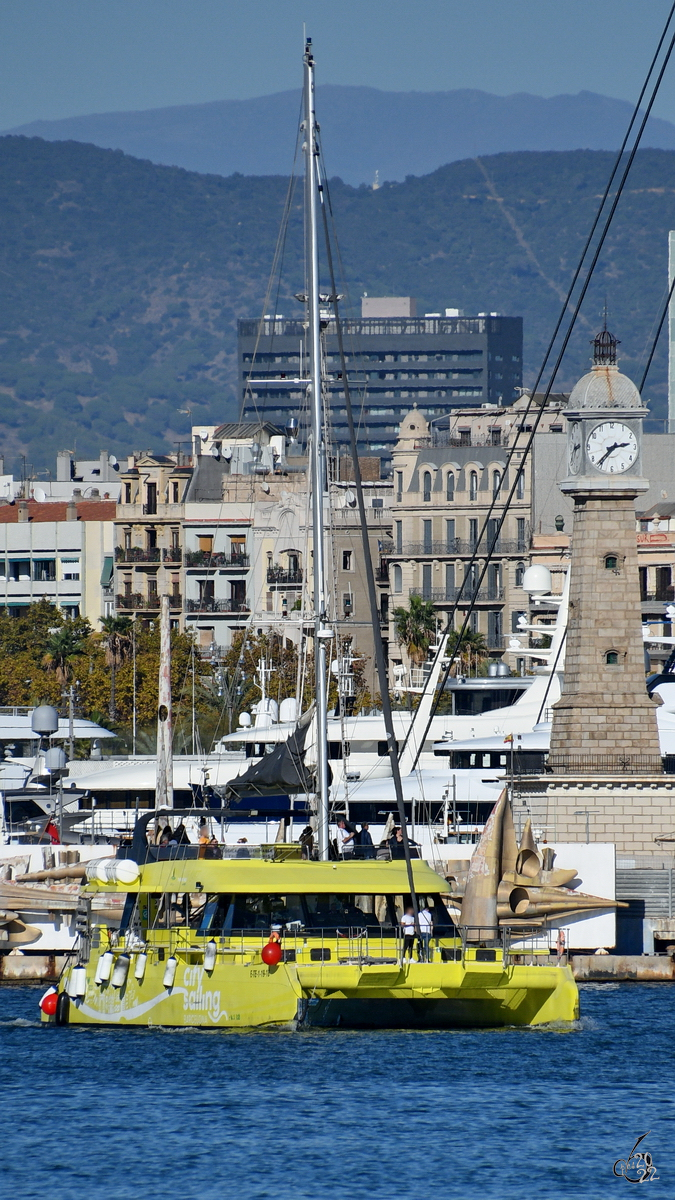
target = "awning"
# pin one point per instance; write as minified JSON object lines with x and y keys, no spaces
{"x":107,"y":572}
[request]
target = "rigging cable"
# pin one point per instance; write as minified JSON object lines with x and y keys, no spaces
{"x":494,"y":532}
{"x":657,"y":334}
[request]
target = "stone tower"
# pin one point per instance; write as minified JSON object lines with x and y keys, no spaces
{"x":604,"y":710}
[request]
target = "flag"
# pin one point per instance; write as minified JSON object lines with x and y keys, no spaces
{"x":52,"y":832}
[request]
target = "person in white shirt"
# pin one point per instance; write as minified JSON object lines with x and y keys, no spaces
{"x":345,"y":839}
{"x":426,"y":924}
{"x":408,"y":928}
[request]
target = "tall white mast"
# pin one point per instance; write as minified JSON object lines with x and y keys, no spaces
{"x":318,"y":449}
{"x":164,"y":792}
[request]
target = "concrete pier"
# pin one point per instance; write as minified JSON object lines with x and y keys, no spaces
{"x":31,"y":968}
{"x":619,"y":968}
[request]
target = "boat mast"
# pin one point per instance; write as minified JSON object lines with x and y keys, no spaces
{"x":164,"y":790}
{"x":317,"y":447}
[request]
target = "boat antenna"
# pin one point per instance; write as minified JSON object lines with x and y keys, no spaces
{"x":383,"y":680}
{"x":322,"y":633}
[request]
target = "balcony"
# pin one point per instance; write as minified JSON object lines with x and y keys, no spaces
{"x":382,"y":573}
{"x":440,"y":438}
{"x":218,"y":606}
{"x":136,"y":602}
{"x":134,"y":554}
{"x":285,"y":578}
{"x":207,"y":560}
{"x":172,"y":555}
{"x":461,"y":595}
{"x":665,"y":594}
{"x":462,"y":546}
{"x":604,"y":764}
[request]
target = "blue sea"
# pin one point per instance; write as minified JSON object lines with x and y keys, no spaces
{"x":528,"y":1114}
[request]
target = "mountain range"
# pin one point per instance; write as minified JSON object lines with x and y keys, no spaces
{"x":364,"y":130}
{"x":121,"y":281}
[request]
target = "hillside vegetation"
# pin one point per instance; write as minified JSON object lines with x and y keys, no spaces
{"x":121,"y":281}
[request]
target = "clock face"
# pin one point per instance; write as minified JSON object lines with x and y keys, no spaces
{"x":575,"y":447}
{"x":612,"y":447}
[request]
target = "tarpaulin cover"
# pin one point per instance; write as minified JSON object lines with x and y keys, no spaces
{"x":283,"y":769}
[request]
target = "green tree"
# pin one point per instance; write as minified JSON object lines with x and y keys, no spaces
{"x":472,"y":647}
{"x":117,"y":640}
{"x":416,"y":627}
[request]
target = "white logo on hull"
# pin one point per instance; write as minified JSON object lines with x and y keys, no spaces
{"x":195,"y":999}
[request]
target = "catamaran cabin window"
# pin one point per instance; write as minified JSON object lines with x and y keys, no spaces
{"x":225,"y":914}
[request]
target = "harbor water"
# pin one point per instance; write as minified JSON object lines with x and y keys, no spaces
{"x":111,"y":1114}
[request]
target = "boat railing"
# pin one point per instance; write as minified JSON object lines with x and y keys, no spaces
{"x":274,"y":851}
{"x":361,"y":945}
{"x":508,"y":944}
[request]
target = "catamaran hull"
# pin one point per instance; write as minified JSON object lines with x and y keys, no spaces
{"x":412,"y":996}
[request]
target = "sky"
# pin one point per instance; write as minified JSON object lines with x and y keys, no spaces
{"x":61,"y":58}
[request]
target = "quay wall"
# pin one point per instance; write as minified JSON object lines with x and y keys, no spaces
{"x":632,"y":811}
{"x":31,"y":968}
{"x":614,"y":968}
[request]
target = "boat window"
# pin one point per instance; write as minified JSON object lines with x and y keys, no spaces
{"x":383,"y":749}
{"x":225,"y":913}
{"x":215,"y":914}
{"x":210,"y":914}
{"x":345,"y":912}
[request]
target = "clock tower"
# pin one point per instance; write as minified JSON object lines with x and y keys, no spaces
{"x":604,"y":709}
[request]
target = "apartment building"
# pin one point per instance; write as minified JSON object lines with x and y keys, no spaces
{"x":248,"y":548}
{"x":444,"y":482}
{"x":244,"y":533}
{"x":148,"y":535}
{"x":58,"y":551}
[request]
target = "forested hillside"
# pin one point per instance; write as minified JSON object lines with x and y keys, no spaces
{"x":121,"y":281}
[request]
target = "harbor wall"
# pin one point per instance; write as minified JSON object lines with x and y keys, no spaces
{"x":31,"y":968}
{"x":632,"y":812}
{"x":621,"y":968}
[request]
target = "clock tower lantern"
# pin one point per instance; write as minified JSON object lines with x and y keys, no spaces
{"x":604,"y":709}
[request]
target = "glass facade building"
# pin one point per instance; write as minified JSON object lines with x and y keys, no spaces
{"x":393,"y":363}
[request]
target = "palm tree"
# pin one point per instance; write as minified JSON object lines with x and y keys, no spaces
{"x":416,"y":627}
{"x":472,"y":646}
{"x":63,"y":646}
{"x":118,"y":643}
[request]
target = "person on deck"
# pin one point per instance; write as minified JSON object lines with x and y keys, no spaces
{"x":366,"y":841}
{"x":426,"y":925}
{"x":397,"y":847}
{"x":307,"y":842}
{"x":204,"y":838}
{"x":345,"y":839}
{"x":408,"y":929}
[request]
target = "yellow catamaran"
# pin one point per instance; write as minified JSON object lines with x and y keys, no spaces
{"x":266,"y":941}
